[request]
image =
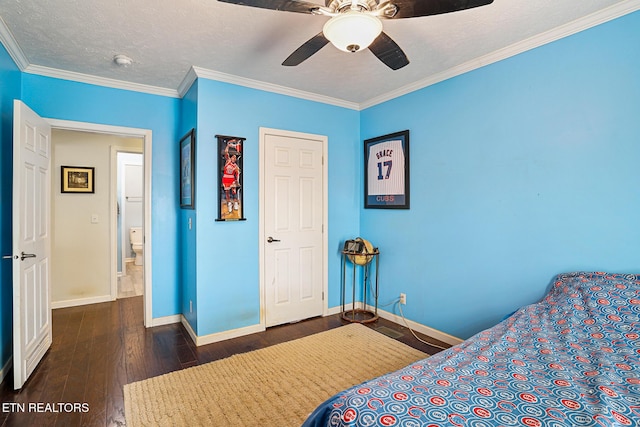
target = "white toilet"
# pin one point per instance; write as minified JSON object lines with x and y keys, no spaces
{"x":135,"y":236}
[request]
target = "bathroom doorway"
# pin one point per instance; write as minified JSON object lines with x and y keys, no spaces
{"x":129,"y":222}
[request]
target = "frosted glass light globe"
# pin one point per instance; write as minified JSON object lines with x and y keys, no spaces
{"x":352,"y":31}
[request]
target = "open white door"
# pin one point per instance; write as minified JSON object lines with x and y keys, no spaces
{"x":31,"y":241}
{"x":294,"y":214}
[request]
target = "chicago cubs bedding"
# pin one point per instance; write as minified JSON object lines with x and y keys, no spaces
{"x":571,"y":360}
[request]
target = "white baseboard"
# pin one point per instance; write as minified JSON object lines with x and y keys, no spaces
{"x":332,"y":311}
{"x":234,"y":333}
{"x":189,"y":329}
{"x":418,"y":327}
{"x":166,"y":320}
{"x":80,"y":301}
{"x":338,"y":309}
{"x":220,"y":336}
{"x":6,"y":368}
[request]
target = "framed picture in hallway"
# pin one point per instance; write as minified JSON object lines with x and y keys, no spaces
{"x":230,"y":191}
{"x":187,"y":169}
{"x":386,"y":171}
{"x":77,"y":179}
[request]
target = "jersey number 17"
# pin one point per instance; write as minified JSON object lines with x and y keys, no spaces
{"x":381,"y":166}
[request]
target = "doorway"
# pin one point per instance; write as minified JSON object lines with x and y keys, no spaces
{"x":100,"y":264}
{"x":39,"y":187}
{"x":129,"y":179}
{"x":293,"y":218}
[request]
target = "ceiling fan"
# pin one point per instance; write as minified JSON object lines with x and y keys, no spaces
{"x":356,"y":24}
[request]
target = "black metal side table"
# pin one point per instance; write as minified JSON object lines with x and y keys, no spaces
{"x":360,"y":315}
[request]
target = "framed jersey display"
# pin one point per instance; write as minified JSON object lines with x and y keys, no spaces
{"x":386,"y":171}
{"x":230,"y":151}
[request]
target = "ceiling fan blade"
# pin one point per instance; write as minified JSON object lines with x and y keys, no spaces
{"x":286,"y":5}
{"x":307,"y":49}
{"x":388,"y":51}
{"x":413,"y":8}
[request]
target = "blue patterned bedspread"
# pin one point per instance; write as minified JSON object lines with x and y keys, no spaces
{"x":571,"y":360}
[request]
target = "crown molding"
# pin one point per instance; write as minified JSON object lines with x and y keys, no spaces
{"x":187,"y":81}
{"x":14,"y":50}
{"x":558,"y":33}
{"x":270,"y":87}
{"x":597,"y":18}
{"x":18,"y":56}
{"x":99,"y":81}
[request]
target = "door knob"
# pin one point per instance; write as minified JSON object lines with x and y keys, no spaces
{"x":23,"y":256}
{"x":271,"y":239}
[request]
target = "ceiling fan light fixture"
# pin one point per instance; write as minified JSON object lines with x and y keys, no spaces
{"x":352,"y":31}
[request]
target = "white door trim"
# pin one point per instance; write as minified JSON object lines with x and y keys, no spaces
{"x":325,"y":213}
{"x":146,"y":135}
{"x":113,"y":208}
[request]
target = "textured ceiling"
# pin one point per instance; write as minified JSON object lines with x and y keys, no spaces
{"x":165,"y":38}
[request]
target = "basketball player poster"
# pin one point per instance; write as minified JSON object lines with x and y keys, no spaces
{"x":230,"y":151}
{"x":386,"y":175}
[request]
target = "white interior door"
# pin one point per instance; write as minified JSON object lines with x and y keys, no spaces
{"x":294,"y":213}
{"x":31,"y":241}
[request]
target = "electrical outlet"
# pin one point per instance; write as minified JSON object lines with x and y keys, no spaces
{"x":190,"y":306}
{"x":403,"y":298}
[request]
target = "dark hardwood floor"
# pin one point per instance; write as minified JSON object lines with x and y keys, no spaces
{"x":99,"y":348}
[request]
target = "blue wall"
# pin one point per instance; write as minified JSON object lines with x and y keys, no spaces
{"x":187,"y":236}
{"x":227,"y":252}
{"x":520,"y":170}
{"x":66,"y":100}
{"x":193,"y":265}
{"x":9,"y":90}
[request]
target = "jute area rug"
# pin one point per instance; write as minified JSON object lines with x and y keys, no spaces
{"x":275,"y":386}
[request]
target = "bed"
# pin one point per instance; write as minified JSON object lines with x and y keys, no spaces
{"x":573,"y":359}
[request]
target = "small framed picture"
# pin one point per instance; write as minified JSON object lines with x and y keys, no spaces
{"x":386,"y":174}
{"x":230,"y":189}
{"x":187,"y":169}
{"x":77,"y":179}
